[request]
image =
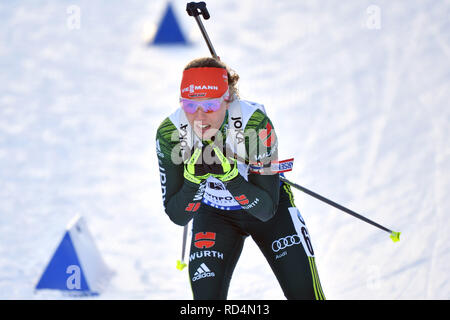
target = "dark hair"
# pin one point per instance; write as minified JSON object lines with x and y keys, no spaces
{"x":233,"y":77}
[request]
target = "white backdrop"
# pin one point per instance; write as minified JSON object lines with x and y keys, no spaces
{"x":358,"y":92}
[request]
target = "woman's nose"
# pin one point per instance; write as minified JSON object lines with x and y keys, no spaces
{"x":200,"y":114}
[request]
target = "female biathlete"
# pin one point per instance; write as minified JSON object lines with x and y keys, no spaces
{"x":218,"y":166}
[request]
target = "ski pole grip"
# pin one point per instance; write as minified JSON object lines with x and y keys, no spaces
{"x":196,"y":8}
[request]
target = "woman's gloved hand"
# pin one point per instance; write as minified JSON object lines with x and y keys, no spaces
{"x":210,"y":161}
{"x":227,"y":168}
{"x":193,"y":168}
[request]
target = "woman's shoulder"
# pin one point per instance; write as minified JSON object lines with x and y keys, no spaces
{"x":166,"y":129}
{"x":257,"y":118}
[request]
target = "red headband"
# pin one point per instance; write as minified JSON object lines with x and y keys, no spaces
{"x":204,"y":83}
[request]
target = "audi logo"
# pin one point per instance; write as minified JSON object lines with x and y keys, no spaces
{"x":285,"y":242}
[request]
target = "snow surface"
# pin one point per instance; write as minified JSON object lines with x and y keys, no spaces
{"x":358,"y":92}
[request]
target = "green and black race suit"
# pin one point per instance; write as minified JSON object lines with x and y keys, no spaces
{"x":225,"y":213}
{"x":258,"y":196}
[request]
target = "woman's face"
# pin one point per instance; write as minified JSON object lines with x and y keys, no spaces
{"x":206,"y":124}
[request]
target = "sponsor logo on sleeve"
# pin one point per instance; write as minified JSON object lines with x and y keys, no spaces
{"x":268,"y":136}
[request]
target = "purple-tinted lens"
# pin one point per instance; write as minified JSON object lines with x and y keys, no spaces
{"x":210,"y":105}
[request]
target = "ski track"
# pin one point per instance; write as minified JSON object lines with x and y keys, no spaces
{"x":442,"y":153}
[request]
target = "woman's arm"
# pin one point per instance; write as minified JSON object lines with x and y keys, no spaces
{"x":181,"y":198}
{"x":260,"y":195}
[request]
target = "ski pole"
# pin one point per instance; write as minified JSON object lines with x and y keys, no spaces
{"x":195,"y":9}
{"x":395,"y":236}
{"x":180,"y":263}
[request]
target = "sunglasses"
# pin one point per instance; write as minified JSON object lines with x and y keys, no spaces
{"x":208,"y":106}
